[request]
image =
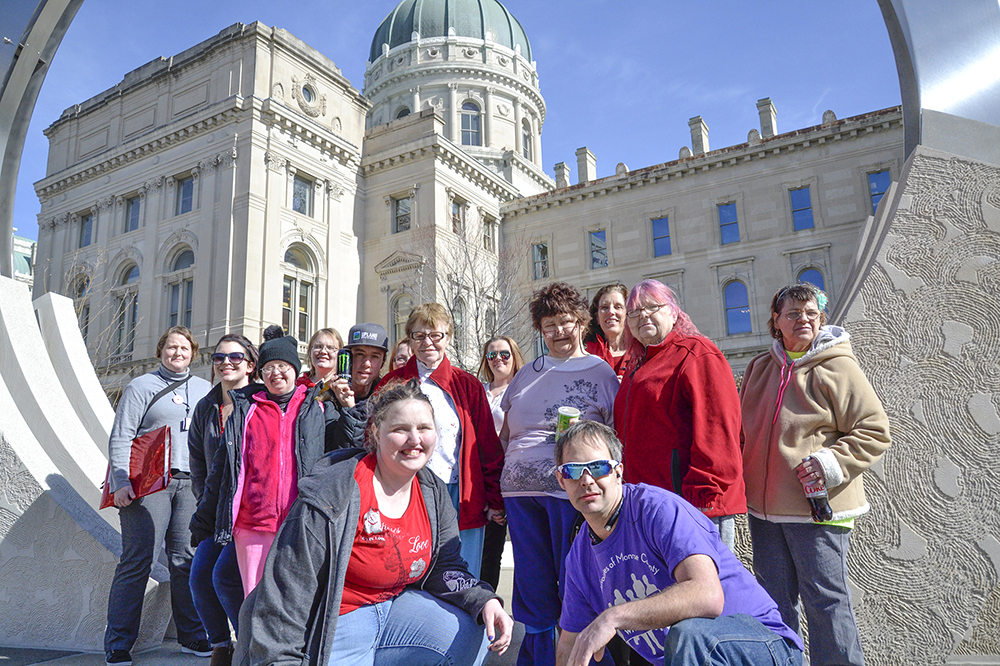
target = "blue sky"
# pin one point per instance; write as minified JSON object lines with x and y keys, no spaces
{"x":622,"y":83}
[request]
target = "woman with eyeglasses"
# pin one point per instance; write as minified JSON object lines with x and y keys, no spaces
{"x":501,"y":359}
{"x":401,"y":353}
{"x":539,"y":516}
{"x":323,"y":347}
{"x":273,"y":437}
{"x":810,"y":418}
{"x":215,"y":577}
{"x":468,"y":457}
{"x":605,"y":335}
{"x":678,"y":412}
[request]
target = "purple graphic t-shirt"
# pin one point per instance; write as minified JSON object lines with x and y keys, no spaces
{"x":655,"y":532}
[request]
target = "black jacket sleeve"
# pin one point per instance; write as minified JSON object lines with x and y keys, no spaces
{"x":200,"y":427}
{"x":203,"y":521}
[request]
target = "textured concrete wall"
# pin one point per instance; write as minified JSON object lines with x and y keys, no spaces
{"x":922,"y":308}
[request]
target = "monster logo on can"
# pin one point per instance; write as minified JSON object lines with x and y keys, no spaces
{"x":344,"y":364}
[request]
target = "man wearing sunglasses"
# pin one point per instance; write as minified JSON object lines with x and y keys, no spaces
{"x":649,"y":566}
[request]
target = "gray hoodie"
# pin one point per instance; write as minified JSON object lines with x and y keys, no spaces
{"x":293,"y":612}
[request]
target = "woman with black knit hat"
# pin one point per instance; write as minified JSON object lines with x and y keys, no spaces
{"x":273,"y":437}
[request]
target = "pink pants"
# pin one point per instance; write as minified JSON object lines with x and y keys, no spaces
{"x":251,"y":554}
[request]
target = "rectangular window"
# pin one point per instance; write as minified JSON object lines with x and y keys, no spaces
{"x":401,"y":215}
{"x":802,"y":213}
{"x":295,"y":308}
{"x":185,"y":195}
{"x":598,"y":249}
{"x":458,"y":217}
{"x":540,"y":260}
{"x":489,"y":235}
{"x":128,"y":310}
{"x":661,"y":237}
{"x":302,"y":196}
{"x":728,"y":223}
{"x":878,"y":184}
{"x":86,"y":230}
{"x":132,"y":209}
{"x":181,"y":298}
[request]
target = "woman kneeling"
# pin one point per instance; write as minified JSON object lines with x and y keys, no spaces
{"x":366,"y":567}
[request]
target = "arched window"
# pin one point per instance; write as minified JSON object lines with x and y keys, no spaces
{"x":402,"y":306}
{"x":737,"y":308}
{"x":526,"y":140}
{"x":126,"y":313}
{"x":813,"y":277}
{"x":297,"y":292}
{"x":180,"y":290}
{"x":402,"y":113}
{"x":471,"y":125}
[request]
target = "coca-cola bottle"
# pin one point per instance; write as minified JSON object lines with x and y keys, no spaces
{"x":819,"y":501}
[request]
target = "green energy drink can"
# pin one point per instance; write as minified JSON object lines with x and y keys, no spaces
{"x":567,"y":417}
{"x":344,"y":363}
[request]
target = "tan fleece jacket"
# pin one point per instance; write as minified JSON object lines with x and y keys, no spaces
{"x":826,"y":408}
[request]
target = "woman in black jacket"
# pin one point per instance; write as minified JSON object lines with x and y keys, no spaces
{"x":215,"y":579}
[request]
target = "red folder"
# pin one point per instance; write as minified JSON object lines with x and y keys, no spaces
{"x":149,"y":466}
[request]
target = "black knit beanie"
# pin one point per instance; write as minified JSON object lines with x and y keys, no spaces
{"x":281,"y":348}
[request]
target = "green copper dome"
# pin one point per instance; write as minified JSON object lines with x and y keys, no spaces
{"x":434,"y":18}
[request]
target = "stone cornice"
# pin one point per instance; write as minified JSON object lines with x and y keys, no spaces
{"x":275,"y":113}
{"x":210,"y":119}
{"x":447,"y":153}
{"x":687,"y":167}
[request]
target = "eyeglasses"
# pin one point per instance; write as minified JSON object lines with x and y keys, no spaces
{"x":218,"y":358}
{"x":275,"y":369}
{"x":492,"y":355}
{"x":795,"y":315}
{"x":324,"y":348}
{"x":433,"y":336}
{"x":645,"y":309}
{"x":553,"y":330}
{"x":597,"y":469}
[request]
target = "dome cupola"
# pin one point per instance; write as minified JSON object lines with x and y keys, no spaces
{"x":469,"y":61}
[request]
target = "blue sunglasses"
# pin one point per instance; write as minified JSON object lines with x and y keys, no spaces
{"x":596,"y":468}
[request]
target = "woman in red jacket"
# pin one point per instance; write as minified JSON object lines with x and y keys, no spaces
{"x":605,"y":336}
{"x":468,"y":457}
{"x":678,"y":412}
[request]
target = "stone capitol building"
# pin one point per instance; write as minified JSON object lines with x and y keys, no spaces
{"x":246,"y":182}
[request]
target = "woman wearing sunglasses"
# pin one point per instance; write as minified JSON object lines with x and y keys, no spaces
{"x":501,"y":359}
{"x":677,"y":413}
{"x":273,"y":437}
{"x":540,"y":517}
{"x":215,"y":577}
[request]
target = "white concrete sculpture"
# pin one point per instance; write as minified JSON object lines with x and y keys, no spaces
{"x":57,"y":552}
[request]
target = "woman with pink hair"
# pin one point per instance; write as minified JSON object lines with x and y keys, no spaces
{"x":678,"y":412}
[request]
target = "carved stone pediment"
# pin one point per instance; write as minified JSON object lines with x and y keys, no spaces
{"x":399,"y":262}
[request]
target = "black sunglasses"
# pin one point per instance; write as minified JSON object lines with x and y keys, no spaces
{"x":218,"y":358}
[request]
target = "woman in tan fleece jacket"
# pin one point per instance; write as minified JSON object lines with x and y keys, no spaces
{"x":807,"y":396}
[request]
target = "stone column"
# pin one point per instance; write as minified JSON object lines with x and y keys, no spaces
{"x":518,"y":132}
{"x":415,"y":99}
{"x":537,"y":138}
{"x":454,"y":129}
{"x":488,"y":119}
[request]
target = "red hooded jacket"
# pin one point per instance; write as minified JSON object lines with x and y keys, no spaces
{"x":480,"y":454}
{"x":678,"y":416}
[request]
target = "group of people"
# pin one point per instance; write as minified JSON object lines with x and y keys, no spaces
{"x":362,"y":520}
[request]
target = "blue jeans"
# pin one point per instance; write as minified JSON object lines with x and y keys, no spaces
{"x":808,"y":560}
{"x":731,"y":640}
{"x":216,"y":589}
{"x":160,"y":519}
{"x":539,"y":529}
{"x":472,"y":540}
{"x":415,"y":628}
{"x":727,"y":530}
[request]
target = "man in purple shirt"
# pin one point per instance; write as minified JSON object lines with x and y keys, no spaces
{"x":651,"y":567}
